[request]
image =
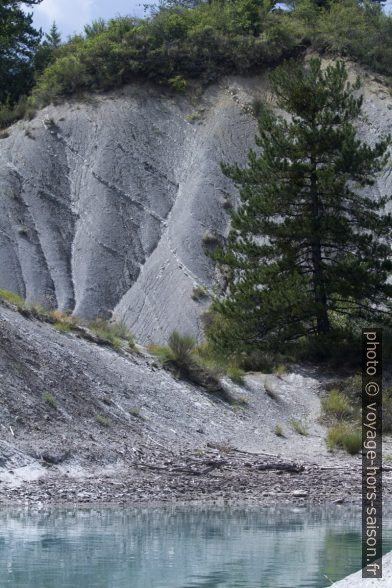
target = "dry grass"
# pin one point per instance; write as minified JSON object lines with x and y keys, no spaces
{"x":278,"y":431}
{"x":12,"y":298}
{"x":299,"y":427}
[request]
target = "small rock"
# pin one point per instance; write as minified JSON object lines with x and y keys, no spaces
{"x":299,"y":494}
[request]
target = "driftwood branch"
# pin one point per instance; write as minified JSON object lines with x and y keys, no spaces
{"x":203,"y":467}
{"x":285,"y":467}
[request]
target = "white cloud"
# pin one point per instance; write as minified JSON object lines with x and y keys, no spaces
{"x":70,"y":15}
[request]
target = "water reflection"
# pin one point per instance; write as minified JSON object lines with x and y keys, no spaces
{"x":180,"y":548}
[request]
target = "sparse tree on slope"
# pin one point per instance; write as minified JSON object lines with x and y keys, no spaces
{"x":48,"y":49}
{"x":310,"y":244}
{"x":18,"y":44}
{"x":53,"y":38}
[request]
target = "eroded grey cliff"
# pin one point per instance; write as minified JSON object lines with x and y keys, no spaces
{"x":104,"y":203}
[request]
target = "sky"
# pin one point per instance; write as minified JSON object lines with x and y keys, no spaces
{"x":72,"y":15}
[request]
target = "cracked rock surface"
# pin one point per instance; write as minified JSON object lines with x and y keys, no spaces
{"x":104,"y":203}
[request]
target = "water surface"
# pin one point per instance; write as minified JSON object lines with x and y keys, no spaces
{"x":180,"y":548}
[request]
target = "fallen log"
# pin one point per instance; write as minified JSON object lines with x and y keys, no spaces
{"x":286,"y":467}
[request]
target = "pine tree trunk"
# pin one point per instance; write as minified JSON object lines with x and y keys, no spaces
{"x":318,"y":274}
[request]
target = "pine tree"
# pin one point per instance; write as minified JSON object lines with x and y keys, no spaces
{"x":53,"y":38}
{"x":18,"y":44}
{"x":310,"y":244}
{"x":47,"y":51}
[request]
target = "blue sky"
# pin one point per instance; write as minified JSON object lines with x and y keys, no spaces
{"x":72,"y":15}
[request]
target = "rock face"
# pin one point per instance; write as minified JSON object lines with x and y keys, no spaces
{"x":103,"y":204}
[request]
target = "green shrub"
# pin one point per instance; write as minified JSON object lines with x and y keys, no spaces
{"x":178,"y":84}
{"x":194,"y":116}
{"x":183,"y":357}
{"x":237,"y":408}
{"x":102,"y":420}
{"x":337,"y":405}
{"x":134,"y":411}
{"x":178,"y":352}
{"x":182,"y":347}
{"x":174,"y":45}
{"x":50,"y":400}
{"x":363,"y":32}
{"x":299,"y":427}
{"x":278,"y":431}
{"x":11,"y":113}
{"x":199,"y":293}
{"x":280,"y":370}
{"x":345,"y":436}
{"x":257,"y":360}
{"x":65,"y":76}
{"x":219,"y":364}
{"x":207,"y":41}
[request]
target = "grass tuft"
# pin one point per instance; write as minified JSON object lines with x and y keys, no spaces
{"x":12,"y":298}
{"x":134,"y":411}
{"x":62,"y":327}
{"x":178,"y":352}
{"x":236,"y":374}
{"x":278,"y":431}
{"x":199,"y":293}
{"x":345,"y":436}
{"x":102,"y":420}
{"x":337,"y":405}
{"x":299,"y":427}
{"x":39,"y":312}
{"x":50,"y":400}
{"x":114,"y":334}
{"x":280,"y":370}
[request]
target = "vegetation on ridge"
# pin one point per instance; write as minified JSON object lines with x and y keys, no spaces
{"x":116,"y":335}
{"x":179,"y":43}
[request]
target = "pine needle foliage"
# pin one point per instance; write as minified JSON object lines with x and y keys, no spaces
{"x":310,"y":245}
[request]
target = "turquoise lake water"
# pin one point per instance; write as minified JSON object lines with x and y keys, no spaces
{"x":180,"y":548}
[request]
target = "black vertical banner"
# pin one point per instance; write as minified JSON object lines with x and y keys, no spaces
{"x":372,"y":453}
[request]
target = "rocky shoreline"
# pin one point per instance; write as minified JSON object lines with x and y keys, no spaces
{"x":232,"y":477}
{"x":83,"y":424}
